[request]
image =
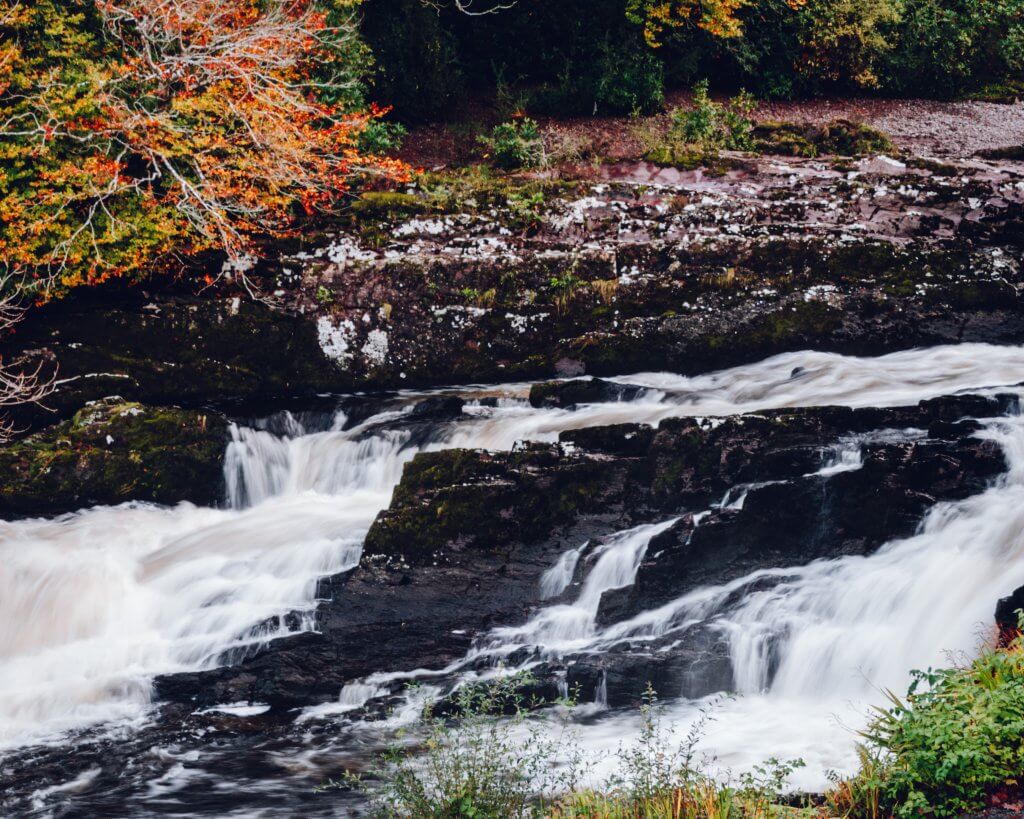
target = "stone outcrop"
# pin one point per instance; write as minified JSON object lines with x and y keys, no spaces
{"x":484,"y":279}
{"x":115,"y":451}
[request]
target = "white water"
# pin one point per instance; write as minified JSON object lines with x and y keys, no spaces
{"x":842,"y":631}
{"x":94,"y":605}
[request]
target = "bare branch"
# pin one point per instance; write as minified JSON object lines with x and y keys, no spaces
{"x":17,"y":386}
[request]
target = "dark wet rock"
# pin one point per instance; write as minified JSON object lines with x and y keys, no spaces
{"x":457,"y":501}
{"x":792,"y":521}
{"x":112,"y":452}
{"x":1009,"y":152}
{"x":438,"y":408}
{"x":697,"y":664}
{"x":616,"y":439}
{"x":384,"y":615}
{"x":170,"y":349}
{"x":617,"y":277}
{"x":566,"y":394}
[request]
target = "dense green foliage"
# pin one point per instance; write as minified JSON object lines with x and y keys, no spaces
{"x":515,"y":144}
{"x":949,"y":47}
{"x":581,"y":57}
{"x":956,"y":738}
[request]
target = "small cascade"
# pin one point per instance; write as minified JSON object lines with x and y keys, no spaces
{"x":559,"y":629}
{"x":557,"y":579}
{"x":94,"y":605}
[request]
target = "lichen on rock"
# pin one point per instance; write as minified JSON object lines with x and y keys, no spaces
{"x":114,"y":451}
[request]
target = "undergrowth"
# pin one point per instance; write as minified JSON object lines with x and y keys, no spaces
{"x":696,"y":134}
{"x":953,"y":744}
{"x":954,"y":741}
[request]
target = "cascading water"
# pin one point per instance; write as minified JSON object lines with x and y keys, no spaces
{"x":812,"y":650}
{"x":94,"y":605}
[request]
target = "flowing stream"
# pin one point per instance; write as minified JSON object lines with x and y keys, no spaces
{"x":95,"y":604}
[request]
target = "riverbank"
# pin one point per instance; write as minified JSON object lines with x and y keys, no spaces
{"x":305,"y":516}
{"x":474,"y":275}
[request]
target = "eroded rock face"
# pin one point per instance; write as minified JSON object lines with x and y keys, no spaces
{"x":115,"y":451}
{"x":468,"y":534}
{"x":527,"y":279}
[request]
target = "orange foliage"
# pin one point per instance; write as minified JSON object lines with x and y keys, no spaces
{"x":193,"y":124}
{"x":717,"y":17}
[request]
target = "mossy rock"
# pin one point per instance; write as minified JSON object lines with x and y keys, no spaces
{"x":690,"y":157}
{"x":111,"y":452}
{"x":452,"y":503}
{"x":388,"y":205}
{"x":1011,"y":152}
{"x":585,"y":391}
{"x":841,"y":137}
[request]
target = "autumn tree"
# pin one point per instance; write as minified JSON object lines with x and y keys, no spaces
{"x":719,"y":18}
{"x":137,"y":132}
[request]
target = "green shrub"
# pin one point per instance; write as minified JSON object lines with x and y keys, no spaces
{"x":488,"y":762}
{"x":515,"y":144}
{"x":660,"y":777}
{"x":630,"y":81}
{"x":710,"y":125}
{"x":844,"y":41}
{"x":945,"y":48}
{"x":957,"y":737}
{"x":619,"y":77}
{"x":381,"y":137}
{"x":698,"y":133}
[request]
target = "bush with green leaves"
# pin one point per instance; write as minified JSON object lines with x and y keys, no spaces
{"x":957,"y":737}
{"x":382,"y":137}
{"x":844,"y":41}
{"x":515,"y":144}
{"x":488,"y":759}
{"x":710,"y":125}
{"x":629,"y":81}
{"x":697,"y":133}
{"x":944,"y":48}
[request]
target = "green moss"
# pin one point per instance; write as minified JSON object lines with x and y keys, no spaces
{"x":388,"y":205}
{"x":936,"y":167}
{"x":113,"y":452}
{"x":842,"y":137}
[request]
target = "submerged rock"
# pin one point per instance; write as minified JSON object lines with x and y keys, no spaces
{"x":115,"y":451}
{"x":565,"y":394}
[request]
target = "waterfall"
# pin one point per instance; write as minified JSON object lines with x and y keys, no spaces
{"x":812,"y":648}
{"x":560,"y":628}
{"x":95,"y":604}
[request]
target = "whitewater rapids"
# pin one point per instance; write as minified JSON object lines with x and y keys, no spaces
{"x":96,"y":604}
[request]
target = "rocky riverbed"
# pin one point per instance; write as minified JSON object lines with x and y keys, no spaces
{"x":653,"y":425}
